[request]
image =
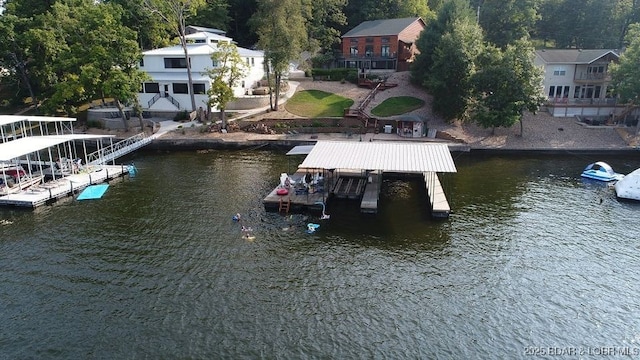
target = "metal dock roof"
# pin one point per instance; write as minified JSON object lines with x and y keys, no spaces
{"x":405,"y":157}
{"x":26,"y":145}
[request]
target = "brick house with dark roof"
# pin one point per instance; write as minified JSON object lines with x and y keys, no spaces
{"x":384,"y":45}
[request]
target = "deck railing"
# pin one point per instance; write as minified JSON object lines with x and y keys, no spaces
{"x":121,"y":148}
{"x":173,"y":101}
{"x":155,"y":98}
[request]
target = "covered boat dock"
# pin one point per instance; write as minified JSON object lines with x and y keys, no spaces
{"x":41,"y":154}
{"x":354,"y":170}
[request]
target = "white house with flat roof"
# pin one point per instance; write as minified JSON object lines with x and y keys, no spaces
{"x":168,"y":89}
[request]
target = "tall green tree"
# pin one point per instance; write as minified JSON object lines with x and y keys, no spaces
{"x":326,"y":17}
{"x":505,"y":21}
{"x":229,"y":71}
{"x":586,"y":23}
{"x":626,"y":12}
{"x":453,"y":65}
{"x":626,"y":74}
{"x":28,"y":8}
{"x":175,"y":14}
{"x":282,"y":34}
{"x":19,"y":50}
{"x":15,"y":56}
{"x":506,"y":84}
{"x":152,"y":34}
{"x":93,"y":56}
{"x":358,"y":11}
{"x":448,"y":13}
{"x":214,"y":14}
{"x":240,"y":28}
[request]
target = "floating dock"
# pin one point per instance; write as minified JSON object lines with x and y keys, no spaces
{"x":369,"y":203}
{"x":298,"y":197}
{"x":437,"y":199}
{"x":52,"y":191}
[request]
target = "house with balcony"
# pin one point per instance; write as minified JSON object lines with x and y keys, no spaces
{"x":168,"y":90}
{"x":381,"y":45}
{"x":577,"y":82}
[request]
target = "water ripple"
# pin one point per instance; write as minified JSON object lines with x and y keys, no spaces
{"x":158,"y":269}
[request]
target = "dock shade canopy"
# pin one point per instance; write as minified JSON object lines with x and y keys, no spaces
{"x":397,"y":156}
{"x":9,"y":119}
{"x":27,"y":145}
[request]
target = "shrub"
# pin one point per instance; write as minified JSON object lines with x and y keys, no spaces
{"x":352,"y":77}
{"x":183,"y":115}
{"x":334,"y":74}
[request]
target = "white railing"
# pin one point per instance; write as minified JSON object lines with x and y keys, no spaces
{"x":121,"y":148}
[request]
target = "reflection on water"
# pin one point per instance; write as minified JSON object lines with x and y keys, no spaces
{"x":531,"y":256}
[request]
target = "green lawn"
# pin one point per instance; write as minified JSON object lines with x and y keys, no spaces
{"x":397,"y":105}
{"x":316,"y":103}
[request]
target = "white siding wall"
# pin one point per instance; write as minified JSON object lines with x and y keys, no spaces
{"x":154,"y":66}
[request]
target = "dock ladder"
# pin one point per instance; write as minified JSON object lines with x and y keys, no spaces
{"x":284,"y":205}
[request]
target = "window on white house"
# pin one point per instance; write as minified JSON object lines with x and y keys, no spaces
{"x":142,"y":62}
{"x":180,"y":88}
{"x":151,"y":88}
{"x":199,"y":89}
{"x":175,"y":63}
{"x":253,"y":61}
{"x":559,"y":72}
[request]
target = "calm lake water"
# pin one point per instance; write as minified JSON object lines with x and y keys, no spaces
{"x":532,"y":260}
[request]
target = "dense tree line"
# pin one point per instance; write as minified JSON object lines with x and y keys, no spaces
{"x":62,"y":53}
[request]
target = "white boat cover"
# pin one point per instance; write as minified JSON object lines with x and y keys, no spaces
{"x":396,"y":156}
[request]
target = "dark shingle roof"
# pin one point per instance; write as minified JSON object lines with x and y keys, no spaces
{"x":573,"y":56}
{"x":380,"y":27}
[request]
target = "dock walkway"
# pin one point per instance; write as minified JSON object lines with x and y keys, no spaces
{"x":371,"y":195}
{"x":437,"y":199}
{"x":51,"y":191}
{"x":297,"y":198}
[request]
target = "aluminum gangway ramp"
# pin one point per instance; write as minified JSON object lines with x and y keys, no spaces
{"x":119,"y":149}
